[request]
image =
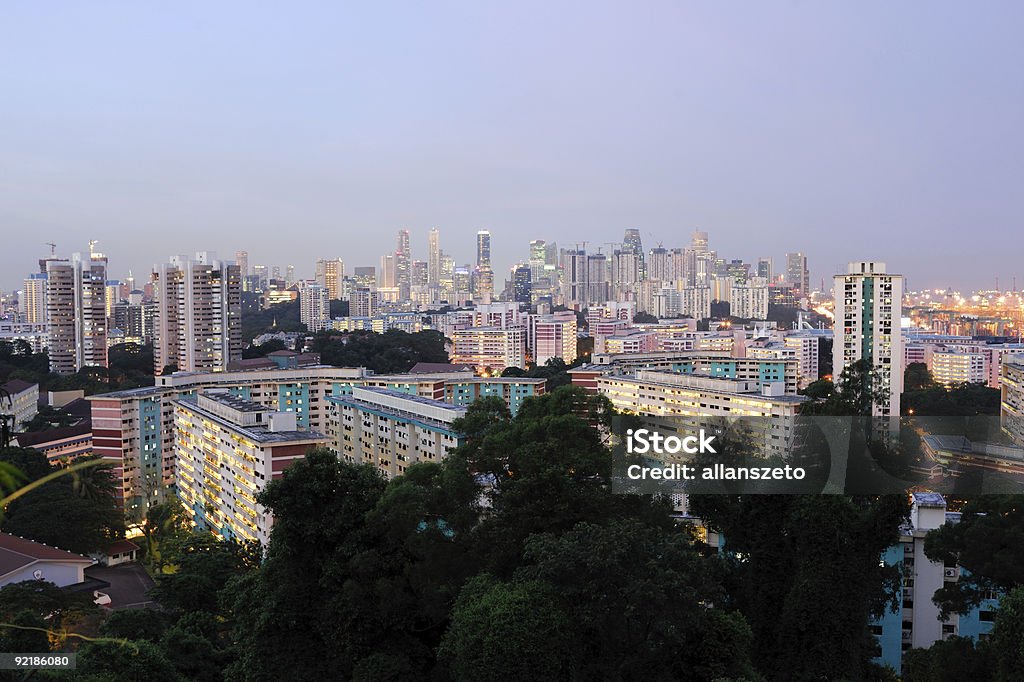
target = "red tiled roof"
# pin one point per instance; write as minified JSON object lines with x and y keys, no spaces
{"x":17,"y":553}
{"x":120,"y":547}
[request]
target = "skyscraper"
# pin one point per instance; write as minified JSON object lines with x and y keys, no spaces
{"x":868,"y":308}
{"x":522,"y":284}
{"x":764,"y":268}
{"x":198,"y":325}
{"x":76,"y":312}
{"x":434,"y":258}
{"x":483,"y":275}
{"x":631,"y":243}
{"x":387,"y":278}
{"x":242,"y":259}
{"x":403,"y":264}
{"x":483,"y":248}
{"x":331,"y":275}
{"x":797,"y":273}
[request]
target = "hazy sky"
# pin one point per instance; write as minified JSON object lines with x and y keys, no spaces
{"x":303,"y":130}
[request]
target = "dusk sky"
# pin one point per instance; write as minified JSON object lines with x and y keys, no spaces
{"x":885,"y":131}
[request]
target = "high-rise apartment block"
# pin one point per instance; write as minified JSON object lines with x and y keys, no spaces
{"x":314,"y":307}
{"x":76,"y":312}
{"x":198,"y":316}
{"x":33,"y":299}
{"x":868,"y":307}
{"x":218,"y":485}
{"x":553,"y":336}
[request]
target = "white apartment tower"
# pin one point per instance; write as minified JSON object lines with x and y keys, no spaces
{"x":198,"y":325}
{"x":76,"y":312}
{"x":33,"y":299}
{"x":314,"y":307}
{"x":868,"y":308}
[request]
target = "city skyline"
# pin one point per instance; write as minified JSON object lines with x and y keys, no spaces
{"x":826,"y":130}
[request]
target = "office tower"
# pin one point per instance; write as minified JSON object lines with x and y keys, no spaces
{"x":538,"y":258}
{"x":242,"y":259}
{"x":522,"y":285}
{"x":631,"y":243}
{"x":699,"y":243}
{"x":388,"y":274}
{"x":482,"y":284}
{"x":275,"y":272}
{"x":797,"y":274}
{"x":434,"y":257}
{"x":314,"y":307}
{"x":868,"y":307}
{"x":460,"y":284}
{"x":33,"y":299}
{"x":738,"y":270}
{"x":112,"y":295}
{"x":483,"y":248}
{"x":447,"y":284}
{"x":418,"y":276}
{"x":597,"y":279}
{"x":198,"y":324}
{"x":764,"y":268}
{"x":403,"y":265}
{"x":483,"y":275}
{"x":260,"y":274}
{"x":289,"y":275}
{"x":76,"y":312}
{"x":366,"y":277}
{"x":331,"y":275}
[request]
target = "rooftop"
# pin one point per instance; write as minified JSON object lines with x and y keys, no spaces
{"x":17,"y":553}
{"x":15,"y":386}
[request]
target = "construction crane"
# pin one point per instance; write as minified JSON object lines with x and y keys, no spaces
{"x":53,"y":248}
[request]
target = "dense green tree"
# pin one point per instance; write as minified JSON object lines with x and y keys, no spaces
{"x":32,"y":602}
{"x":948,"y":660}
{"x":917,"y":377}
{"x":503,"y":631}
{"x":791,"y":552}
{"x":955,"y":401}
{"x":989,"y":542}
{"x":164,"y":529}
{"x":147,"y":624}
{"x":202,"y":564}
{"x":320,"y":507}
{"x":644,"y":318}
{"x":392,"y":351}
{"x":280,"y":317}
{"x":124,"y":660}
{"x":263,"y":350}
{"x":1008,"y":636}
{"x":76,"y":512}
